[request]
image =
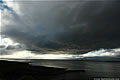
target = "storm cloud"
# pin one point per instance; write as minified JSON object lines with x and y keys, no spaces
{"x":65,"y":24}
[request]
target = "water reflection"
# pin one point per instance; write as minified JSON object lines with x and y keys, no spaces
{"x":101,"y":69}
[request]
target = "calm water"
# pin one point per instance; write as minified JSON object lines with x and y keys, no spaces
{"x":96,"y":69}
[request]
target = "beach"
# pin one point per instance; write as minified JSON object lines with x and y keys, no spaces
{"x":58,"y":70}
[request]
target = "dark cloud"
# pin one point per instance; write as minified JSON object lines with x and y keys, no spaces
{"x":101,"y":25}
{"x":79,"y":24}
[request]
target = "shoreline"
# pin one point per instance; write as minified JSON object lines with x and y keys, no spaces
{"x":11,"y":70}
{"x":29,"y":60}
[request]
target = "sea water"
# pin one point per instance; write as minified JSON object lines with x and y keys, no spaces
{"x":93,"y":68}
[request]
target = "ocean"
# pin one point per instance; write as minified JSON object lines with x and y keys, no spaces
{"x":93,"y":68}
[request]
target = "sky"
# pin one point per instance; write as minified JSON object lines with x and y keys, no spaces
{"x":72,"y":27}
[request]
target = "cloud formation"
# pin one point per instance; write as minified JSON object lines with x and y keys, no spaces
{"x":99,"y":55}
{"x":65,"y":24}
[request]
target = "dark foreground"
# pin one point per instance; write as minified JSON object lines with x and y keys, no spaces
{"x":59,"y":70}
{"x":10,"y":70}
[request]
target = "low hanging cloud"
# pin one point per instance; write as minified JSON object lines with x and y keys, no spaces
{"x":99,"y":55}
{"x":8,"y":47}
{"x":64,"y":24}
{"x":103,"y":53}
